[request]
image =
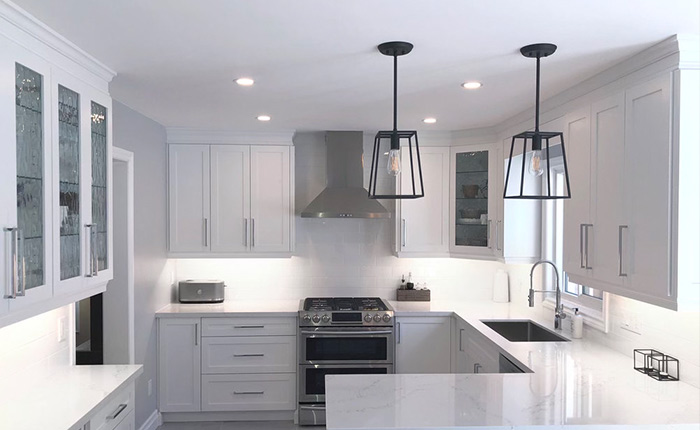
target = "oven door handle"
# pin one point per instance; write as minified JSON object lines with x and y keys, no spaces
{"x":344,"y":333}
{"x":312,"y":408}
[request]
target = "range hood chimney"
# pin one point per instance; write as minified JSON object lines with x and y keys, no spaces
{"x":344,"y":195}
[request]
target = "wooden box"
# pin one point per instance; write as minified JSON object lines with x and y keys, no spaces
{"x":413,"y":295}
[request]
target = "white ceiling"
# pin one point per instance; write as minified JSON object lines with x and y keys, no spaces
{"x":317,"y":68}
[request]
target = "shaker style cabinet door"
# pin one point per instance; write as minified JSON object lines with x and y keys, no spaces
{"x":188,"y":198}
{"x":230,"y":198}
{"x":179,"y":364}
{"x":25,"y":196}
{"x":270,"y":205}
{"x":423,"y":345}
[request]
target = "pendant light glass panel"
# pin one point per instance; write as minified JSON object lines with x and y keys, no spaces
{"x":386,"y":170}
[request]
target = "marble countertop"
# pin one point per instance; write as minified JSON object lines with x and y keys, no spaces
{"x":64,"y":400}
{"x":231,"y":308}
{"x":574,"y":384}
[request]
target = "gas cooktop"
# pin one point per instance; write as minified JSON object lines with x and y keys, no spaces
{"x":325,"y":311}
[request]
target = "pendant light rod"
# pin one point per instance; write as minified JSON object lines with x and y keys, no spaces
{"x":537,"y":51}
{"x":396,"y":86}
{"x":395,"y":49}
{"x":537,"y":97}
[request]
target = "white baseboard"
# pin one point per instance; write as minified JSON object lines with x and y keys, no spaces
{"x":153,"y":422}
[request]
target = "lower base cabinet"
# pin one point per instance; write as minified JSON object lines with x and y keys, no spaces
{"x":249,"y":392}
{"x":117,"y":414}
{"x":423,"y":344}
{"x":473,"y":353}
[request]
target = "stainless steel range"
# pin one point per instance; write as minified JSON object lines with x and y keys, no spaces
{"x":340,"y":336}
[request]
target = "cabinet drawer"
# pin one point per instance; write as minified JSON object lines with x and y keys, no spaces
{"x":255,"y":392}
{"x":244,"y":354}
{"x":246,"y":326}
{"x":114,"y":412}
{"x":128,"y":423}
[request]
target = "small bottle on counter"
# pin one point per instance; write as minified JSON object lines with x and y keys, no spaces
{"x":409,"y":284}
{"x":577,"y":325}
{"x":403,"y":283}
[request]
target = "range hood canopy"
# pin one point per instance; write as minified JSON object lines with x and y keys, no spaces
{"x":344,"y":195}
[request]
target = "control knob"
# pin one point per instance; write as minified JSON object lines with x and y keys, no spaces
{"x":306,"y":319}
{"x":377,"y":318}
{"x":368,"y":318}
{"x":325,"y":318}
{"x":386,"y":318}
{"x":316,"y":319}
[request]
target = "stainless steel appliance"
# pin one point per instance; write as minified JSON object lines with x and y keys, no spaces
{"x":340,"y":336}
{"x":201,"y":291}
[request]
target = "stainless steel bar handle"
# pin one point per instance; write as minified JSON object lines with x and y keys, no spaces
{"x":22,"y":266}
{"x":586,"y":227}
{"x":93,"y":248}
{"x":249,"y":326}
{"x":312,"y":408}
{"x":248,"y":355}
{"x":403,"y":232}
{"x":248,"y":392}
{"x":245,"y":231}
{"x":117,"y":411}
{"x":477,"y":367}
{"x":13,"y":263}
{"x":580,"y":234}
{"x":252,"y":232}
{"x":89,"y":250}
{"x":206,"y":232}
{"x":620,"y":251}
{"x":344,"y":333}
{"x":488,"y":233}
{"x":196,"y":334}
{"x":398,"y":332}
{"x":461,"y":348}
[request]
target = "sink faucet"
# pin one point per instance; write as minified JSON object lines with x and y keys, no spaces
{"x":558,"y":308}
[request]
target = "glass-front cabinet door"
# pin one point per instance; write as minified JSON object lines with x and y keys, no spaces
{"x":471,"y":206}
{"x":100,"y":189}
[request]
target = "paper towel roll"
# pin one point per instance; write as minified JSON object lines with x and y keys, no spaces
{"x":500,"y":287}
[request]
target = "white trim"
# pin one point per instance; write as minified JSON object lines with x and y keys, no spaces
{"x":153,"y":421}
{"x":199,"y":136}
{"x":122,"y":155}
{"x":37,"y":30}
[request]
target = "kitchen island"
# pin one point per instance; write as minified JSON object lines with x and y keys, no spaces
{"x":576,"y":384}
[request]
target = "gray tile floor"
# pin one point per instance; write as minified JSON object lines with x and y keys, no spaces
{"x":236,"y":425}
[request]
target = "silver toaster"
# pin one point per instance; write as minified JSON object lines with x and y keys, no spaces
{"x":201,"y":291}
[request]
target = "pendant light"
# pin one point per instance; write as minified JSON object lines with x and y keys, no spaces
{"x":530,"y":174}
{"x":387,"y":144}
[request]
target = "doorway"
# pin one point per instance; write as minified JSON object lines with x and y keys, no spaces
{"x":104,"y":323}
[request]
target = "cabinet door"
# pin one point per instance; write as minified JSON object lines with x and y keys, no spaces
{"x":578,"y":231}
{"x":188,"y":193}
{"x":645,"y":250}
{"x":179,"y":364}
{"x":230,"y":198}
{"x":423,"y":345}
{"x":607,"y":184}
{"x":424,"y":223}
{"x":270,"y":205}
{"x":25,"y":196}
{"x":470,"y":218}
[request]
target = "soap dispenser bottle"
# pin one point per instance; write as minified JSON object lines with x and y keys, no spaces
{"x":577,"y":325}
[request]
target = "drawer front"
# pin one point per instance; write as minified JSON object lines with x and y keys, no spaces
{"x":256,"y":392}
{"x":114,"y":412}
{"x":128,"y":423}
{"x":243,"y":354}
{"x":245,"y":326}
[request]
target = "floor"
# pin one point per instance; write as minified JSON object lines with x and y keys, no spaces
{"x":236,"y":425}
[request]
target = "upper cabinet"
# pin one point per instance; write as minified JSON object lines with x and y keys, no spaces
{"x":55,"y":198}
{"x":230,"y":200}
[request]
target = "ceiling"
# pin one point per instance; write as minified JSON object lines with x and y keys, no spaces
{"x":316,"y":65}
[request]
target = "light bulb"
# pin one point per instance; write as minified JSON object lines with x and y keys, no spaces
{"x":534,"y":167}
{"x":393,"y":166}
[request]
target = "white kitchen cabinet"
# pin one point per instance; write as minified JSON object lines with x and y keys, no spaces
{"x":230,"y":200}
{"x":422,"y":225}
{"x":473,"y":353}
{"x":179,"y":364}
{"x":423,"y":344}
{"x":249,"y":392}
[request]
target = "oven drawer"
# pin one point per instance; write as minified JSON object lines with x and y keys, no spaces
{"x":312,"y":379}
{"x":243,"y":354}
{"x":255,"y":392}
{"x":249,"y":326}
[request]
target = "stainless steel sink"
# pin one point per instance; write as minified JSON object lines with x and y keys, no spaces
{"x":523,"y":331}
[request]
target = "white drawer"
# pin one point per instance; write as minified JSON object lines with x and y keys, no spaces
{"x":113,"y":412}
{"x":244,"y":354}
{"x":270,"y":392}
{"x":247,"y":326}
{"x":128,"y":423}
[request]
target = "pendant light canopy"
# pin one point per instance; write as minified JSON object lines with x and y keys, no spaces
{"x":537,"y":158}
{"x":387,"y":148}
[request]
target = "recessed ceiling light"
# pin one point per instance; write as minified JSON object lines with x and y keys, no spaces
{"x":430,"y":120}
{"x":245,"y":82}
{"x":471,"y":85}
{"x":264,"y":117}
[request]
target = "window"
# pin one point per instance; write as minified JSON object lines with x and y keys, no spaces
{"x":592,"y":303}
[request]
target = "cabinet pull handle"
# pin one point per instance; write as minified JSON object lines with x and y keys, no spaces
{"x":580,"y":234}
{"x":477,"y":367}
{"x":488,"y":234}
{"x":398,"y":332}
{"x":403,"y":232}
{"x":252,"y":232}
{"x":13,"y":264}
{"x":461,"y":348}
{"x":248,"y":392}
{"x":586,"y":227}
{"x":498,"y":236}
{"x":117,"y":411}
{"x":249,"y":326}
{"x":248,"y":355}
{"x":93,"y":248}
{"x":620,"y":253}
{"x":89,"y":274}
{"x":206,"y":232}
{"x":245,"y":231}
{"x":196,"y":334}
{"x":22,"y":284}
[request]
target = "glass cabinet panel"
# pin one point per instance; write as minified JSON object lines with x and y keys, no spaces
{"x":30,"y":180}
{"x":99,"y":181}
{"x":69,"y":181}
{"x":472,"y":184}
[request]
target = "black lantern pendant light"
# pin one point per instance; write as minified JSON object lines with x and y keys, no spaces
{"x":388,"y":143}
{"x":533,"y":173}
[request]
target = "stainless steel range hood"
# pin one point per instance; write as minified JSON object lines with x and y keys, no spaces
{"x":344,"y":195}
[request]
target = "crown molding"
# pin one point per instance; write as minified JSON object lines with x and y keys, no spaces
{"x":36,"y":36}
{"x":226,"y":137}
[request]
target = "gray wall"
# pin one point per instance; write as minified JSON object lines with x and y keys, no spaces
{"x":152,"y":271}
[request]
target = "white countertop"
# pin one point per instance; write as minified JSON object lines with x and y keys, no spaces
{"x":64,"y":400}
{"x":231,"y":308}
{"x":575,"y":384}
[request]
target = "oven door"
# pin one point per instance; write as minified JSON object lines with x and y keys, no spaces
{"x":346,"y":345}
{"x":312,"y":378}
